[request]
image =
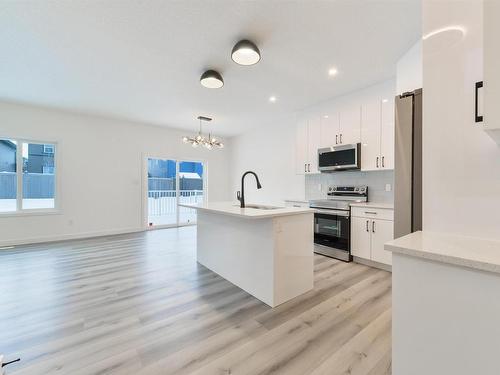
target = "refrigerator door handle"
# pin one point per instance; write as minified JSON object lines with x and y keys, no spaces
{"x":478,"y":118}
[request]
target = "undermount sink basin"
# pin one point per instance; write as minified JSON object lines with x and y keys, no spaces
{"x":259,"y":207}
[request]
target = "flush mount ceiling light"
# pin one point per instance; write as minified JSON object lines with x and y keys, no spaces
{"x":245,"y":53}
{"x":272,"y":99}
{"x":199,"y":140}
{"x":211,"y":79}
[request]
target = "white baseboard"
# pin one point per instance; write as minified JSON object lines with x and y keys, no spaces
{"x":66,"y":237}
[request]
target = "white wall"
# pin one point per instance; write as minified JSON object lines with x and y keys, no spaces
{"x":409,"y":70}
{"x":270,"y":152}
{"x":100,"y":171}
{"x":461,"y":163}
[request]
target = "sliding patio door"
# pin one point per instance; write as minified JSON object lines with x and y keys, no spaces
{"x":170,"y":182}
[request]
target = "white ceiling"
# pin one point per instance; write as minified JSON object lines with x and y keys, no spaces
{"x":141,"y":60}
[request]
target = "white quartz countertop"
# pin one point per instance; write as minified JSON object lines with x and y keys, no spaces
{"x":233,"y":209}
{"x":296,"y":200}
{"x":462,"y":251}
{"x":388,"y":206}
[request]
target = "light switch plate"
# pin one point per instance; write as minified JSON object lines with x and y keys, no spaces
{"x":319,"y":187}
{"x":388,"y":187}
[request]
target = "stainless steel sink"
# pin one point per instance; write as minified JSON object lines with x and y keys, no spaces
{"x":259,"y":207}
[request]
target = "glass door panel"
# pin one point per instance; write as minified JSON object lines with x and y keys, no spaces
{"x":162,"y":192}
{"x":8,"y":175}
{"x":191,"y":176}
{"x":38,"y":176}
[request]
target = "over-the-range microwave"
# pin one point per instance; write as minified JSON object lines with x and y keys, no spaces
{"x":339,"y":158}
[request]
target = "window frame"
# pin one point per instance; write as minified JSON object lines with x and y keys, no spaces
{"x":20,"y":211}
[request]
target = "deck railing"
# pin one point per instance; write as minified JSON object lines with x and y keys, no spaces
{"x":164,"y":202}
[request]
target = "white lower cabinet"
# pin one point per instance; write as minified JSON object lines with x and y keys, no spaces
{"x":369,"y":234}
{"x":382,"y":232}
{"x":360,"y":237}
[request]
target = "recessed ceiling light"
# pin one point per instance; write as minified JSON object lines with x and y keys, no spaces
{"x":332,"y":72}
{"x":272,"y":99}
{"x":211,"y":79}
{"x":245,"y":53}
{"x":385,"y":100}
{"x":325,"y":116}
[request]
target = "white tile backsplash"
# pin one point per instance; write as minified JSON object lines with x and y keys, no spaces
{"x":317,"y":184}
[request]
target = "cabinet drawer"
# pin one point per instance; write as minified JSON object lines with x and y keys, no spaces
{"x":373,"y":213}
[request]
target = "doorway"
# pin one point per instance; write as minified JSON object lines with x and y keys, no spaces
{"x":170,"y":182}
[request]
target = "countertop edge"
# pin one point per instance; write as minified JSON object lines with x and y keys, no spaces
{"x":437,"y":256}
{"x":266,"y":214}
{"x":384,"y":206}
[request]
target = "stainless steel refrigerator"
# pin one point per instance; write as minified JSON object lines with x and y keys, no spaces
{"x":408,"y":164}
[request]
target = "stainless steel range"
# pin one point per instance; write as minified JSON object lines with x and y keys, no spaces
{"x":332,"y":220}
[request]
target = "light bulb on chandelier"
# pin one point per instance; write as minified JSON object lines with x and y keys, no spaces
{"x":199,"y":140}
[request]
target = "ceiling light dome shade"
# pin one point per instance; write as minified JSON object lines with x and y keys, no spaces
{"x":245,"y":53}
{"x":211,"y":79}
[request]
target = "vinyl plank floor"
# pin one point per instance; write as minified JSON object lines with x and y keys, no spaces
{"x":141,"y":304}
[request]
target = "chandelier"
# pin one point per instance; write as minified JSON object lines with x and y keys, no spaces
{"x":200,"y":140}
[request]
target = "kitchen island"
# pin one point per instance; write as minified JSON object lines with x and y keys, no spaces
{"x":266,"y":251}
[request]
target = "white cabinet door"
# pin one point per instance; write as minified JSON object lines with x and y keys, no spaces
{"x":360,"y":237}
{"x":301,"y":143}
{"x":387,"y":134}
{"x":350,"y":124}
{"x":491,"y":30}
{"x":314,"y":140}
{"x":370,"y":135}
{"x":329,"y":130}
{"x":382,"y":232}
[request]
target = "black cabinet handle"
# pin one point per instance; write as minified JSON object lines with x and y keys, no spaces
{"x":383,"y":165}
{"x":336,"y":139}
{"x":341,"y":138}
{"x":478,"y":118}
{"x":367,"y":221}
{"x":377,"y":161}
{"x":373,"y":226}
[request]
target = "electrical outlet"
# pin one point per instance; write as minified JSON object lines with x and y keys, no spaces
{"x":388,"y":187}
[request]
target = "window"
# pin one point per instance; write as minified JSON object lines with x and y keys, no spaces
{"x":27,"y":175}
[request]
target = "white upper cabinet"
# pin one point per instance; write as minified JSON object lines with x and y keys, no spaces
{"x":350,"y":124}
{"x":367,"y":118}
{"x":370,"y":135}
{"x":301,"y":143}
{"x":377,"y":134}
{"x":387,"y":133}
{"x":329,"y":130}
{"x":307,"y":142}
{"x":313,"y":143}
{"x":491,"y":62}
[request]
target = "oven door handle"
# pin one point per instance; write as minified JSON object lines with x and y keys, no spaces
{"x":331,"y":212}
